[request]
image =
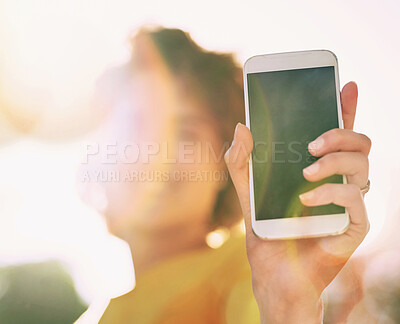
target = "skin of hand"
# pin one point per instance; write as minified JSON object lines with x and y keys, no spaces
{"x":289,"y":276}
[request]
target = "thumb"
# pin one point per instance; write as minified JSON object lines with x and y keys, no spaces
{"x":237,"y":161}
{"x":349,"y":96}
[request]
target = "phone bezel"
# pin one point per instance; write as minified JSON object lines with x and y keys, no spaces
{"x":297,"y":227}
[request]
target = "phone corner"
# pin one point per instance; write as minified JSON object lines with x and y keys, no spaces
{"x":255,"y":230}
{"x":331,"y":54}
{"x":346,"y":224}
{"x":246,"y":64}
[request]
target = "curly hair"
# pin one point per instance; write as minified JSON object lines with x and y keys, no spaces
{"x":212,"y":78}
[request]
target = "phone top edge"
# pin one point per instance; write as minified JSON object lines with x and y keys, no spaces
{"x":314,"y":51}
{"x":289,"y":60}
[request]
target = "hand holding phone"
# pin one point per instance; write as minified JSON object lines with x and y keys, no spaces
{"x":289,"y":275}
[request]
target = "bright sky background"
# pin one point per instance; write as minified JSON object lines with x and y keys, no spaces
{"x":52,"y":52}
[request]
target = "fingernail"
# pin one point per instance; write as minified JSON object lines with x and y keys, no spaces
{"x":235,"y":133}
{"x":316,"y":145}
{"x":311,"y":169}
{"x":306,"y":196}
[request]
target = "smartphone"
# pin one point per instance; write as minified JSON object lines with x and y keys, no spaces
{"x":290,"y":99}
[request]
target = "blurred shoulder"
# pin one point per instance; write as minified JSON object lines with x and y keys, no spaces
{"x":239,"y":304}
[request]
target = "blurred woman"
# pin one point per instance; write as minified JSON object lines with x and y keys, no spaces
{"x":172,"y":111}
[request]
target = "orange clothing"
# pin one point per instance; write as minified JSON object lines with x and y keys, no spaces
{"x":210,"y":286}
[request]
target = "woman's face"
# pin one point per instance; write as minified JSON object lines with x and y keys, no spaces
{"x":169,"y":166}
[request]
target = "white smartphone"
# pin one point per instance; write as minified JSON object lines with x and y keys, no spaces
{"x":290,"y":99}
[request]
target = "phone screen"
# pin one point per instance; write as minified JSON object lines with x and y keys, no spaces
{"x":288,"y":109}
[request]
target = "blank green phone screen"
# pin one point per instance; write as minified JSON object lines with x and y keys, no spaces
{"x":288,"y":109}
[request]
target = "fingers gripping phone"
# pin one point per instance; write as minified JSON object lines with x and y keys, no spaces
{"x":290,"y":99}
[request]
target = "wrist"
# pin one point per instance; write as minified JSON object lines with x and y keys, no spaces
{"x":277,"y":309}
